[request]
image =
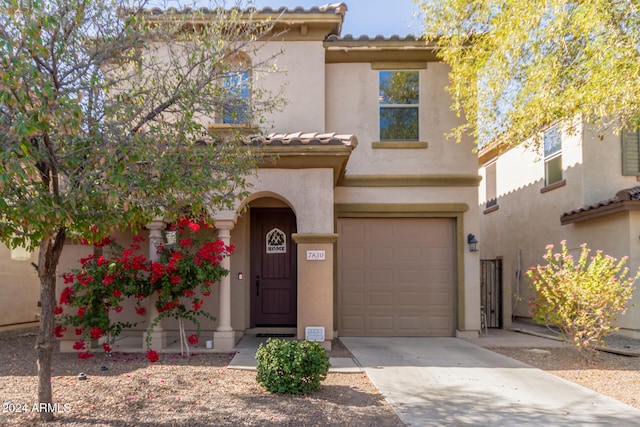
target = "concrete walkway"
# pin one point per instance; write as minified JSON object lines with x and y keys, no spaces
{"x":453,"y":382}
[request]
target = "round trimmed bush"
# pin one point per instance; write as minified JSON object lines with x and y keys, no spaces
{"x":291,"y":367}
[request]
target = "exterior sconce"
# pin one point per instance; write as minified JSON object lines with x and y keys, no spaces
{"x":473,"y":243}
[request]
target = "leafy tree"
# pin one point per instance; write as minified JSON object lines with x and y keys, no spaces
{"x":104,"y":108}
{"x":517,"y":66}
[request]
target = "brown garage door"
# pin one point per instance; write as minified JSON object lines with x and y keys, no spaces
{"x":396,"y":277}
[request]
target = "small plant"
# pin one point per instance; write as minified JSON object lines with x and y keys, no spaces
{"x":291,"y":367}
{"x":581,"y":298}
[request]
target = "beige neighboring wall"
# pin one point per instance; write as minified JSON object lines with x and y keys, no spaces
{"x":527,"y":217}
{"x":20,"y":289}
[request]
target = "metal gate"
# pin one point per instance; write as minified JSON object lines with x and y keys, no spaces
{"x":491,"y":291}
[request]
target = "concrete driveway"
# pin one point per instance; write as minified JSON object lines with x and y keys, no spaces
{"x":451,"y":382}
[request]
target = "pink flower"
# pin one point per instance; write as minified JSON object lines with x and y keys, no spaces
{"x":118,"y":309}
{"x":175,"y":280}
{"x":106,"y":347}
{"x":108,"y":279}
{"x":140,"y":310}
{"x":194,"y":227}
{"x":152,"y":355}
{"x":85,"y":355}
{"x":193,"y":339}
{"x":57,"y":310}
{"x":78,"y":345}
{"x":81,"y":311}
{"x":117,"y":293}
{"x":188,"y":292}
{"x":58,"y":330}
{"x":78,"y":331}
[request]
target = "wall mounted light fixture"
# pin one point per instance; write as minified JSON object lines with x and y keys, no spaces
{"x":473,"y":243}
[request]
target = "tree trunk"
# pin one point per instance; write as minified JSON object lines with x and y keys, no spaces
{"x":50,"y":251}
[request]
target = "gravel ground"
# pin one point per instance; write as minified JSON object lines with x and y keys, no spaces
{"x":200,"y":390}
{"x":175,"y":391}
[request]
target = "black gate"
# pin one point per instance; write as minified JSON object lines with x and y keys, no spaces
{"x":491,"y":291}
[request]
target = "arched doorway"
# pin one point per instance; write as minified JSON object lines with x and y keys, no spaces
{"x":273,"y":288}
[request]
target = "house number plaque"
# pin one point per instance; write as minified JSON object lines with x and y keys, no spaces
{"x":315,"y":255}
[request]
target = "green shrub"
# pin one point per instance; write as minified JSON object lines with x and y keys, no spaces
{"x":293,"y":367}
{"x":582,"y":298}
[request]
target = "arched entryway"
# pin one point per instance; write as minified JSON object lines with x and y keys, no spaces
{"x":273,"y":286}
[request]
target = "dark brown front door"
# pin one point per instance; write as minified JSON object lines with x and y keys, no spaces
{"x":273,"y":268}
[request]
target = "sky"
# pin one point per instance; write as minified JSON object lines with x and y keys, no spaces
{"x":365,"y":17}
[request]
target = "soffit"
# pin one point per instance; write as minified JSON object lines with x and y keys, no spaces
{"x":373,"y":49}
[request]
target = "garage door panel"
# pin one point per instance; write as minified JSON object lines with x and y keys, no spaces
{"x":381,"y":323}
{"x":380,"y":277}
{"x":380,"y":299}
{"x":410,"y":300}
{"x":401,"y":280}
{"x":353,"y":298}
{"x":353,"y":323}
{"x":354,"y":254}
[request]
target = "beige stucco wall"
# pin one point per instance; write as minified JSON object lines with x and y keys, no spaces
{"x":354,"y":87}
{"x":527,"y":219}
{"x":616,"y":235}
{"x":20,"y":289}
{"x":300,"y":72}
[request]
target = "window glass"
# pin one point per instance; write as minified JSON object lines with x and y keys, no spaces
{"x":491,"y":195}
{"x":399,"y":100}
{"x":552,"y":155}
{"x":236,"y":109}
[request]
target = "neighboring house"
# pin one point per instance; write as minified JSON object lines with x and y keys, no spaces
{"x":368,"y":203}
{"x":580,"y":186}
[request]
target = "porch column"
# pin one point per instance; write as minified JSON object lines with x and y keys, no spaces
{"x":315,"y":283}
{"x":224,"y":336}
{"x":158,"y":335}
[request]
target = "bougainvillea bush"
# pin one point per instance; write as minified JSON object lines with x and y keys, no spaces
{"x":181,"y":278}
{"x":581,"y":297}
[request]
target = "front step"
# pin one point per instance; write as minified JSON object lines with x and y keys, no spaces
{"x":271,"y":331}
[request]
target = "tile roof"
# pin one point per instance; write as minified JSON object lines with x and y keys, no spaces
{"x":331,"y":8}
{"x":624,"y":200}
{"x":304,"y":138}
{"x":378,"y":38}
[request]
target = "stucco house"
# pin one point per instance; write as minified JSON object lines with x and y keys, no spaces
{"x":371,"y":204}
{"x":580,"y":186}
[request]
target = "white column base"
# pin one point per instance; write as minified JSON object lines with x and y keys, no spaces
{"x":158,"y":340}
{"x":224,"y":341}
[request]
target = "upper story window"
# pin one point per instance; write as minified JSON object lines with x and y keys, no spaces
{"x":399,"y":105}
{"x":236,"y":109}
{"x":552,"y":155}
{"x":491,"y":193}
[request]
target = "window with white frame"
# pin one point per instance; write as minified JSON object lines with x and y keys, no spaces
{"x":491,"y":194}
{"x":552,"y":155}
{"x":399,"y":105}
